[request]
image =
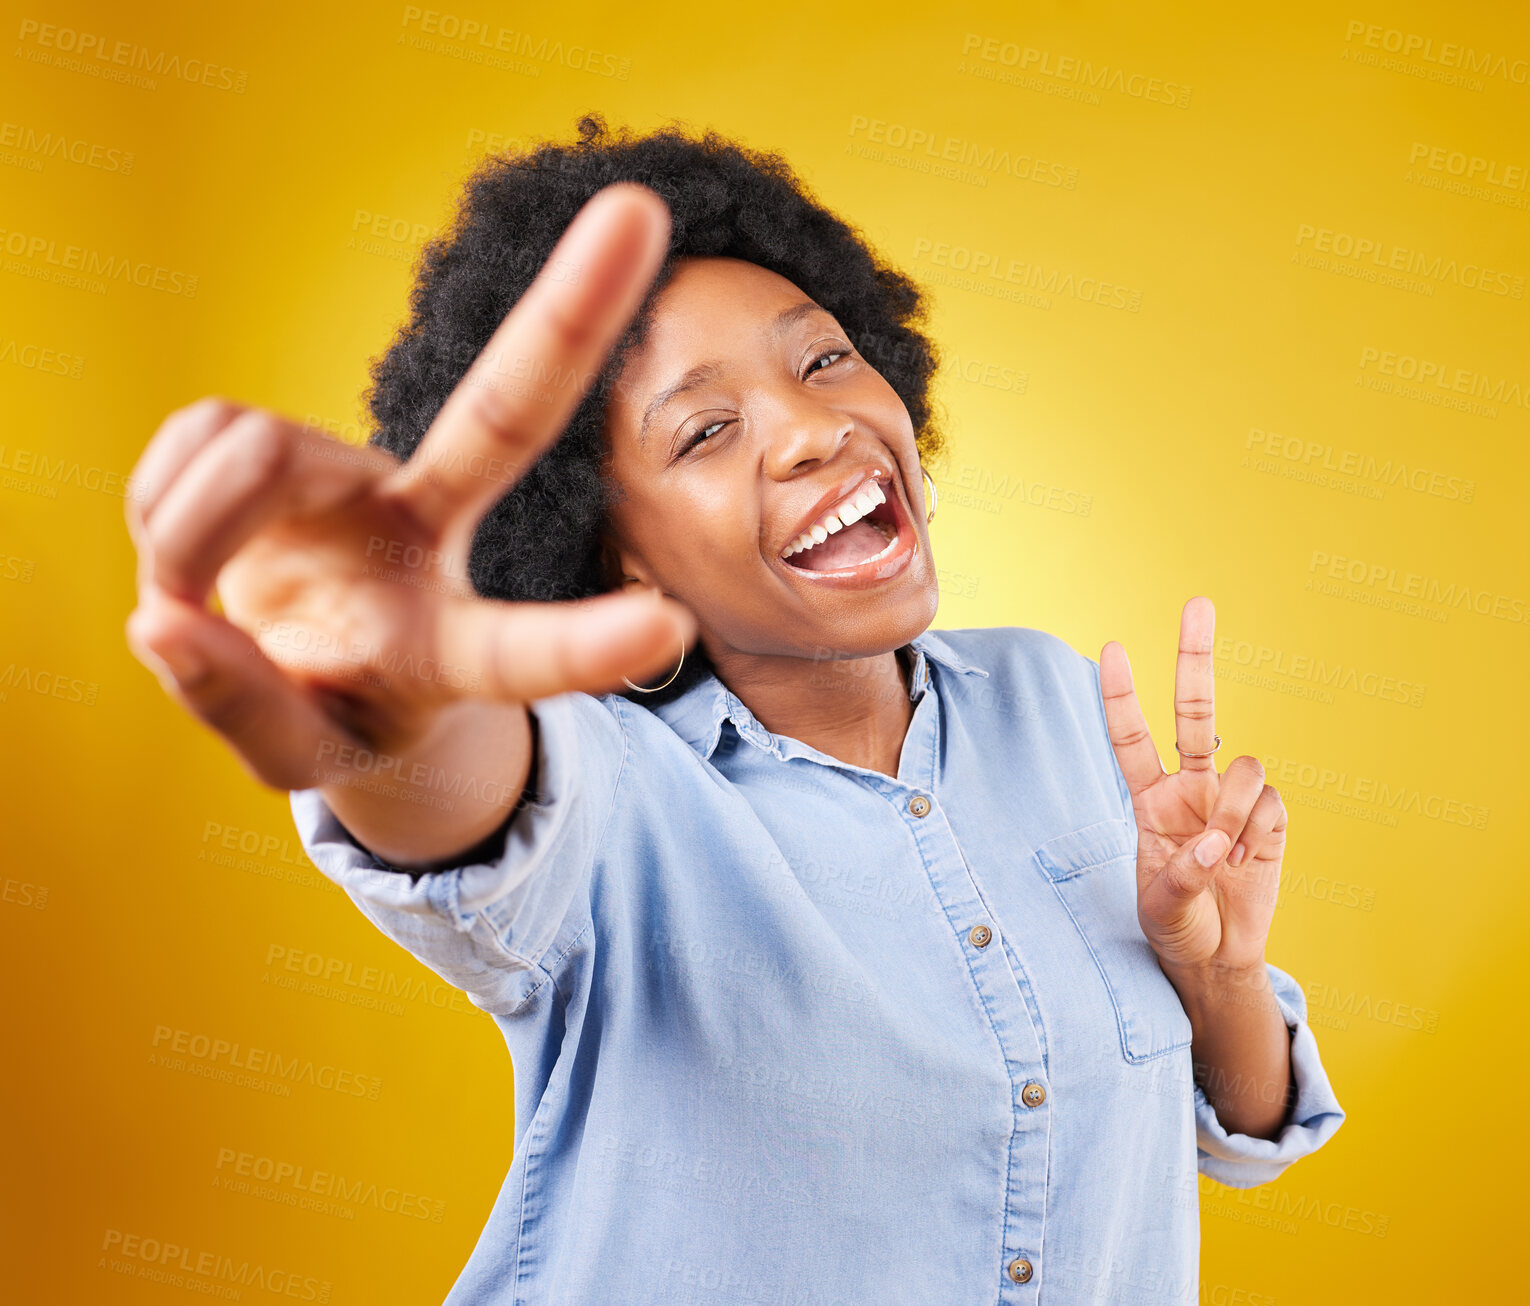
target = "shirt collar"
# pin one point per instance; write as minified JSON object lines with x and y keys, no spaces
{"x":697,"y":715}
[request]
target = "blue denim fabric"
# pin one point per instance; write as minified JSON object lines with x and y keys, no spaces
{"x":761,"y":1056}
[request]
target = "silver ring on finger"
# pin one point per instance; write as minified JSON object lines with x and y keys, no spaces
{"x":1214,"y":747}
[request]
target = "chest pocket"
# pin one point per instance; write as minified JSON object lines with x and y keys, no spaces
{"x":1094,"y":872}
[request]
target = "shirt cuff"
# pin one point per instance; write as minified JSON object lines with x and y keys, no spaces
{"x":1242,"y":1161}
{"x":486,"y":925}
{"x":486,"y":874}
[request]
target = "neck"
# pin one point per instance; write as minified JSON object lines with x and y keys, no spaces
{"x":855,"y":710}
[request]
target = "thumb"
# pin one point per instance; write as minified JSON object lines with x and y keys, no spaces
{"x":1195,"y":864}
{"x":531,"y":650}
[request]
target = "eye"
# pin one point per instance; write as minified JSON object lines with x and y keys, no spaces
{"x":819,"y":363}
{"x":699,"y":436}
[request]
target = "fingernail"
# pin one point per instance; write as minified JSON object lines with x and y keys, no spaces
{"x":1238,"y":854}
{"x":1210,"y":849}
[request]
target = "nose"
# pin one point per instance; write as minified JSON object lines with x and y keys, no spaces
{"x":805,"y":435}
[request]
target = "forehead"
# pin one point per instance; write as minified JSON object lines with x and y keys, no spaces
{"x":713,"y":299}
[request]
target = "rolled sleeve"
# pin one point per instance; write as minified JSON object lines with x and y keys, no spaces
{"x":495,"y":929}
{"x":1242,"y":1161}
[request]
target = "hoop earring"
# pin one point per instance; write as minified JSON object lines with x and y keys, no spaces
{"x":934,"y":498}
{"x":653,"y":689}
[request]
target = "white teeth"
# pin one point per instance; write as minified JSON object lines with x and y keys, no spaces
{"x":849,"y":512}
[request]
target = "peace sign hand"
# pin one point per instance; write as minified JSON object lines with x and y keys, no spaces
{"x":348,"y":620}
{"x":1196,"y":916}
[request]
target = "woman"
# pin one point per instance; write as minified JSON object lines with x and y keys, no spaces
{"x":851,"y":962}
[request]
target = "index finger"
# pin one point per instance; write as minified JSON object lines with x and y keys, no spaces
{"x":524,"y":386}
{"x":1194,"y":685}
{"x":1125,"y":723}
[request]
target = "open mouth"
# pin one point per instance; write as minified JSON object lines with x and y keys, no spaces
{"x":874,"y":543}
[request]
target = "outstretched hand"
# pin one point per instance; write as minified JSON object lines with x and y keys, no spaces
{"x":1196,"y":915}
{"x":348,"y":618}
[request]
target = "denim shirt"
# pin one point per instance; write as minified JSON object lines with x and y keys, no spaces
{"x":787,"y":1030}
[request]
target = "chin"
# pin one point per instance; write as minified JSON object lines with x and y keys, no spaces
{"x":884,"y":627}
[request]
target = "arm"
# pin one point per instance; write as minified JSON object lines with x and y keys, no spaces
{"x":498,"y":919}
{"x":397,"y":705}
{"x":1240,"y":1045}
{"x":1209,"y":851}
{"x":400,"y":696}
{"x":1241,"y":1159}
{"x":446,"y":801}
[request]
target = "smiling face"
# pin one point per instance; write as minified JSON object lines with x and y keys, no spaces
{"x":746,"y":427}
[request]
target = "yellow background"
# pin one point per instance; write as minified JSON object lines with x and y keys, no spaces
{"x":128,"y":908}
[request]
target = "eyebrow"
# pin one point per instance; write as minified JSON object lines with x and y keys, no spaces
{"x":702,"y":373}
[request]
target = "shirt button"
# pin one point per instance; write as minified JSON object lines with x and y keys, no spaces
{"x":1033,"y":1095}
{"x":919,"y":805}
{"x":1020,"y":1270}
{"x":980,"y":934}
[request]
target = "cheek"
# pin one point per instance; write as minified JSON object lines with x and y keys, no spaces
{"x":706,"y":547}
{"x":880,"y":392}
{"x":689,"y":533}
{"x":716,"y":570}
{"x":885,"y":414}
